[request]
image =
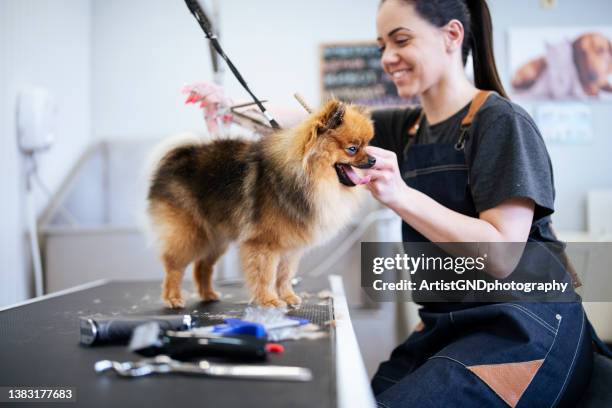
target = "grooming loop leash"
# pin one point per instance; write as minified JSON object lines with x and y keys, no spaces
{"x":206,"y":26}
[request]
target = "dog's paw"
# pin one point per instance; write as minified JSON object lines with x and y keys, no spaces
{"x":292,"y":299}
{"x":271,"y":302}
{"x":174,"y":302}
{"x":210,"y":295}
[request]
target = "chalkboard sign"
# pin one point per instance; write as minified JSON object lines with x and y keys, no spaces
{"x":352,"y":72}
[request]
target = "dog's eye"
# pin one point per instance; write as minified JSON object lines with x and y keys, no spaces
{"x":351,"y":150}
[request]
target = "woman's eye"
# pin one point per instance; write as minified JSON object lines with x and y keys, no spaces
{"x":351,"y":150}
{"x":401,"y":41}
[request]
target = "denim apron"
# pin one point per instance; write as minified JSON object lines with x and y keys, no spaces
{"x":521,"y":354}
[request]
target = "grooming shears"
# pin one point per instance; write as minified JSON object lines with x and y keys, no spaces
{"x":163,"y":364}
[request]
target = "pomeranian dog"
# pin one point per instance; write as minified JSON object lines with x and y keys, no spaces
{"x":275,"y":197}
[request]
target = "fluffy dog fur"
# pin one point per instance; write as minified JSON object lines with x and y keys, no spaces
{"x":276,"y":197}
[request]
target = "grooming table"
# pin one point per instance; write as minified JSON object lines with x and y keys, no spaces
{"x":40,"y":348}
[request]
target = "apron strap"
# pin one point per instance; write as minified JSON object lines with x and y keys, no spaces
{"x":477,"y":102}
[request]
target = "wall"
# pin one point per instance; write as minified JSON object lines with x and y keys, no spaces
{"x":580,"y":168}
{"x":143,"y":55}
{"x":117,"y":67}
{"x":44,"y":43}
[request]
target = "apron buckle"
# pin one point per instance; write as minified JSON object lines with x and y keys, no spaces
{"x":462,"y":138}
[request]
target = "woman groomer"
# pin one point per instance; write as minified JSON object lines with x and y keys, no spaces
{"x":491,"y":182}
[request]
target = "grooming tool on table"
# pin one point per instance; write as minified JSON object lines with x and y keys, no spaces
{"x":117,"y":330}
{"x":277,"y":323}
{"x":236,"y":326}
{"x":151,"y":339}
{"x":164,"y":364}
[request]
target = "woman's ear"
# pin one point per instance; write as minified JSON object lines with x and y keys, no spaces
{"x":453,"y":35}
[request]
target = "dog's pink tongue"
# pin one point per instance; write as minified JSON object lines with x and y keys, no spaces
{"x":355,"y":178}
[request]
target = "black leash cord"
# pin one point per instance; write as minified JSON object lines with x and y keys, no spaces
{"x":199,"y":15}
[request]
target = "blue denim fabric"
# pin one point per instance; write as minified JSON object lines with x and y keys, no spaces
{"x":430,"y":368}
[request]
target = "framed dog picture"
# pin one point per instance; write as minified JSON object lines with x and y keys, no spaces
{"x":561,"y":63}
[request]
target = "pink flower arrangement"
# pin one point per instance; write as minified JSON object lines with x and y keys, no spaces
{"x":213,"y":102}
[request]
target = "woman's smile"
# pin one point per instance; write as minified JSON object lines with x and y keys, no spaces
{"x":400,"y":75}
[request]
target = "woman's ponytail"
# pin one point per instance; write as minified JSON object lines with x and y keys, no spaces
{"x":481,"y":38}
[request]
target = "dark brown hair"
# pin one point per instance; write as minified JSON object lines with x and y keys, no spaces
{"x":475,"y":17}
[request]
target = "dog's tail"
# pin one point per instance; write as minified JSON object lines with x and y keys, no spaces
{"x":151,"y":165}
{"x":166,"y":145}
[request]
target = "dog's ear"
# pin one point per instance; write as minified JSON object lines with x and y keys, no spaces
{"x":331,"y":116}
{"x":607,"y":87}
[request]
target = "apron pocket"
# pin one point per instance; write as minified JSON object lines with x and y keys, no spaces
{"x":501,"y":333}
{"x":502,"y":344}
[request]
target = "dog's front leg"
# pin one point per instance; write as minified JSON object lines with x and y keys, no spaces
{"x":260,"y":264}
{"x":287,"y":267}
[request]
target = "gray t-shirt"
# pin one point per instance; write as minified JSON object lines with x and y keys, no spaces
{"x":505,"y":152}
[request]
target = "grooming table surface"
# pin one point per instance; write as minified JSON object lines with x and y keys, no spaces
{"x":40,"y":348}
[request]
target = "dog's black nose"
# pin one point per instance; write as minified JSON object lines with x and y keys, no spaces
{"x":371,"y":161}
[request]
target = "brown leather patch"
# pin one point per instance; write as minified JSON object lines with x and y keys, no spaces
{"x":419,"y":326}
{"x":508,"y":380}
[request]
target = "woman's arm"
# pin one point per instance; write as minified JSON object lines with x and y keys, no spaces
{"x":509,"y":221}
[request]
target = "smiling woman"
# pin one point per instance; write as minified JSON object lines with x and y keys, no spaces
{"x":415,"y":47}
{"x":469,"y":165}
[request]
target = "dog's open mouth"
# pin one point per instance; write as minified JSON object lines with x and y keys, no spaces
{"x":348,"y":176}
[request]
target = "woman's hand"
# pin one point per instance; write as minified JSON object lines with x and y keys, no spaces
{"x":386,"y":183}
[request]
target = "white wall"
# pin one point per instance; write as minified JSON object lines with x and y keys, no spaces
{"x":143,"y":54}
{"x":144,"y":51}
{"x":44,"y":43}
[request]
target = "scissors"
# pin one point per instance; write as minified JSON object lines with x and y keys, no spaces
{"x":163,"y":364}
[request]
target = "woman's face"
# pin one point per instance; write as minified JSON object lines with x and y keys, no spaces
{"x":413,"y":50}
